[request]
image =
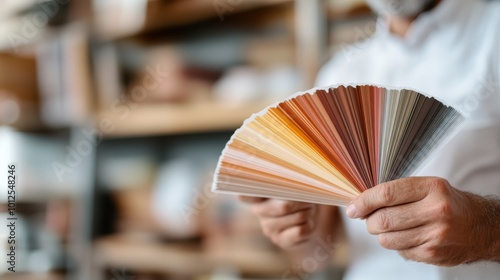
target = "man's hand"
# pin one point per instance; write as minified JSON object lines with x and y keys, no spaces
{"x":286,"y":223}
{"x":304,"y":230}
{"x":427,"y":220}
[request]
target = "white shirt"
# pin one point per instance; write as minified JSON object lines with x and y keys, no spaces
{"x":452,"y":53}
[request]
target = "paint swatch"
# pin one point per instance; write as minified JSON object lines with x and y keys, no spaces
{"x":328,"y":145}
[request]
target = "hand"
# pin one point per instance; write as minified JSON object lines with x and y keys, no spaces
{"x":427,"y":220}
{"x":287,"y":223}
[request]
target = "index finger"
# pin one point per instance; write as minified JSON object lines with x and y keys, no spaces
{"x":391,"y":193}
{"x":274,"y":208}
{"x":251,"y":199}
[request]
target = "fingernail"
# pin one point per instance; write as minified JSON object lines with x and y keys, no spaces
{"x":351,"y":211}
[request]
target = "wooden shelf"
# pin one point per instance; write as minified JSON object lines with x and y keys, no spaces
{"x":32,"y":276}
{"x":164,"y":119}
{"x":177,"y":259}
{"x":171,"y":14}
{"x":353,"y":12}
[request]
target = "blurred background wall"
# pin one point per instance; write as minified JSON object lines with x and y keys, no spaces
{"x":114,"y":113}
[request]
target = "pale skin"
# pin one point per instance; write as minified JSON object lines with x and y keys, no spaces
{"x":425,"y":219}
{"x":296,"y":226}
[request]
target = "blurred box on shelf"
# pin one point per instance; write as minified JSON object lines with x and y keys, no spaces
{"x":18,"y":91}
{"x":129,"y":75}
{"x":39,"y":159}
{"x":64,"y":77}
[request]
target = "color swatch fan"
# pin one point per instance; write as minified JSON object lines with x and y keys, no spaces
{"x":329,"y":145}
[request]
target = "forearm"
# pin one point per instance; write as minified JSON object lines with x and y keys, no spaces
{"x":486,"y":230}
{"x":493,"y":207}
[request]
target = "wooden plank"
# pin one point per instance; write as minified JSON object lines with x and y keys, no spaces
{"x":186,"y":12}
{"x":147,"y":257}
{"x":164,"y":119}
{"x":177,"y":259}
{"x":112,"y":22}
{"x":32,"y":276}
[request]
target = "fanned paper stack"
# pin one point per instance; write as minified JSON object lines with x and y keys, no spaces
{"x":328,"y":145}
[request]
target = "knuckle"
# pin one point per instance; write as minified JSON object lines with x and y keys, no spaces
{"x":297,"y":218}
{"x":384,"y":241}
{"x":284,"y":207}
{"x":430,"y":254}
{"x":387,"y":193}
{"x":371,"y":225}
{"x":443,"y":233}
{"x":442,"y":182}
{"x":276,"y":240}
{"x":294,"y":237}
{"x":440,"y":185}
{"x":383,"y":221}
{"x":301,"y":217}
{"x":303,"y":231}
{"x":310,"y":226}
{"x":406,"y":255}
{"x":443,"y":210}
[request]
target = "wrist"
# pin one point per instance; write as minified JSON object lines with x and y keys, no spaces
{"x":493,"y":252}
{"x":485,"y":235}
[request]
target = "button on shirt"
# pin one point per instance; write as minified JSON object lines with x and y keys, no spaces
{"x":452,"y":53}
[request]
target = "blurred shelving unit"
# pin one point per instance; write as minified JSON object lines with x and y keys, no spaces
{"x":61,"y":93}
